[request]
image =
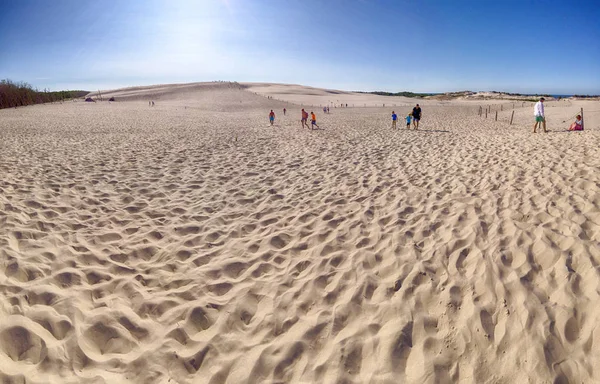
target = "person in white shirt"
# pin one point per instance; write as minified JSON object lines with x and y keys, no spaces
{"x":538,"y":111}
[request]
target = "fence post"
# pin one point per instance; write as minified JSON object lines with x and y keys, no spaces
{"x":496,"y":115}
{"x":511,"y":117}
{"x":582,"y":118}
{"x":486,"y":113}
{"x":501,"y":107}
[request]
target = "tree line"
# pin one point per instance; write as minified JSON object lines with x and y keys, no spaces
{"x":404,"y":94}
{"x":14,"y":95}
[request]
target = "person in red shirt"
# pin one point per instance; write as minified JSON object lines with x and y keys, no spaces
{"x":272,"y":117}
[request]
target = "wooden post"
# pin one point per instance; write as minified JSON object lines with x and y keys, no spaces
{"x":496,"y":115}
{"x":486,"y":113}
{"x":511,"y":117}
{"x":501,"y":107}
{"x":582,"y":118}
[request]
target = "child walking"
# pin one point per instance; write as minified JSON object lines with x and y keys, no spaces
{"x":313,"y":120}
{"x":408,"y":117}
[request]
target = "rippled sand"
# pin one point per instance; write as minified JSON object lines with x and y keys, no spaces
{"x":193,"y":243}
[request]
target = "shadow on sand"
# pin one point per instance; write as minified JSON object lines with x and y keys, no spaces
{"x":430,"y":130}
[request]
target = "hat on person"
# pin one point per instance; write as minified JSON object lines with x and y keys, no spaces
{"x":542,"y":99}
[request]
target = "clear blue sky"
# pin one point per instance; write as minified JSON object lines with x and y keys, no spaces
{"x":422,"y":46}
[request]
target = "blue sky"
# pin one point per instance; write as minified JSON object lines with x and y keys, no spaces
{"x":421,"y":46}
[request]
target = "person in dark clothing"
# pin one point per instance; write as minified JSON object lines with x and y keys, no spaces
{"x":416,"y":113}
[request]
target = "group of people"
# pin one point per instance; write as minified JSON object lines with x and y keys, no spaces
{"x":540,"y":118}
{"x":304,"y":120}
{"x":313,"y":119}
{"x":414,"y":116}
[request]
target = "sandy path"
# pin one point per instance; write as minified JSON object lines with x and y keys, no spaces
{"x":192,"y":243}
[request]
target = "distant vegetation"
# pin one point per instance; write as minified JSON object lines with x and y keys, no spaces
{"x":405,"y":94}
{"x":21,"y":94}
{"x":523,"y":94}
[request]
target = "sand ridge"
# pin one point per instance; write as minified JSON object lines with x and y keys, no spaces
{"x":193,"y":243}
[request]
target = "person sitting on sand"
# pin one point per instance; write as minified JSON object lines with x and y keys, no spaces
{"x":577,"y":124}
{"x":394,"y":118}
{"x":313,"y":120}
{"x":272,"y":117}
{"x":408,"y":117}
{"x":304,"y":118}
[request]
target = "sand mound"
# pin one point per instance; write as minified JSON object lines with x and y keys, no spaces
{"x":193,"y":243}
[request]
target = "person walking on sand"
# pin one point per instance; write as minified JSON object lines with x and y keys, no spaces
{"x":272,"y":117}
{"x":313,"y":120}
{"x":408,"y":120}
{"x":538,"y":111}
{"x":283,"y":111}
{"x":304,"y":118}
{"x":416,"y":116}
{"x":394,"y":118}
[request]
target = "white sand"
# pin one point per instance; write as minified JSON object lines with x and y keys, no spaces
{"x":193,"y":243}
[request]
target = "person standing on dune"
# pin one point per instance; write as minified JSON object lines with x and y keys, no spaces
{"x":272,"y":117}
{"x":538,"y":111}
{"x":394,"y":118}
{"x":283,"y":111}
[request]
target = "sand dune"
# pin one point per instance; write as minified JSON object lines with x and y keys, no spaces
{"x":192,"y":243}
